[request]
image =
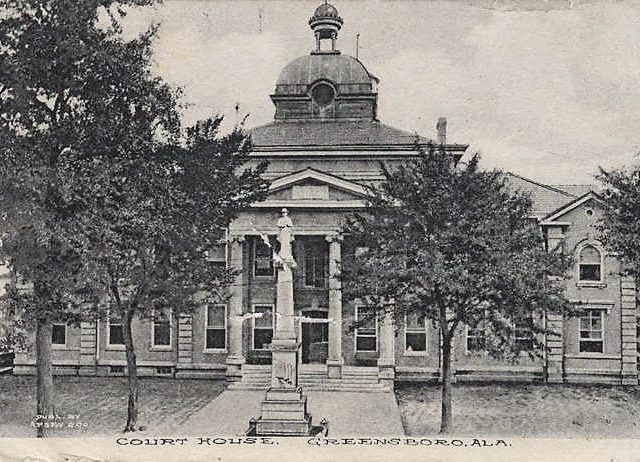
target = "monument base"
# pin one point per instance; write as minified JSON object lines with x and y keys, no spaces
{"x":284,"y":413}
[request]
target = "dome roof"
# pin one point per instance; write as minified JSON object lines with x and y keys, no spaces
{"x":326,"y":10}
{"x":342,"y":70}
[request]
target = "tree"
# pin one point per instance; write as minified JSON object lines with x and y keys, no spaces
{"x":69,"y":83}
{"x":620,"y":225}
{"x":149,"y":221}
{"x":455,"y":245}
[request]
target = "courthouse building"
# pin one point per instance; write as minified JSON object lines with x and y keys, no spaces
{"x":324,"y":146}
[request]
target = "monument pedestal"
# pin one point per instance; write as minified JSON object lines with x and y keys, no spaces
{"x":284,"y":408}
{"x":284,"y":413}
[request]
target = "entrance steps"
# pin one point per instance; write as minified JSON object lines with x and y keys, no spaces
{"x":314,"y":377}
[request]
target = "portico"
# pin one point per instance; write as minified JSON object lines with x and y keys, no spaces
{"x":318,"y":308}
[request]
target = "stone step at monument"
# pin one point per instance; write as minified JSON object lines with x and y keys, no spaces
{"x":338,"y":383}
{"x":306,"y":379}
{"x":377,"y":388}
{"x":356,"y":370}
{"x":344,"y":378}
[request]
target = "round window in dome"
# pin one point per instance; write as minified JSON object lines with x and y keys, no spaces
{"x":323,"y":94}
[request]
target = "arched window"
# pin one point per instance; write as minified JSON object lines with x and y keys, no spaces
{"x":590,"y":263}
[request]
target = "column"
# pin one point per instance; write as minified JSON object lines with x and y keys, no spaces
{"x":88,"y":346}
{"x":629,"y":358}
{"x":235,"y":358}
{"x":386,"y":360}
{"x":335,"y":360}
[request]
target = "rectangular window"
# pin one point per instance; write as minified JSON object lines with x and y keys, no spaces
{"x":591,"y":331}
{"x":216,"y":322}
{"x":366,"y":330}
{"x":262,"y":326}
{"x":218,"y":256}
{"x":115,"y":332}
{"x":476,"y":338}
{"x":589,"y":272}
{"x":59,"y":334}
{"x":262,"y":258}
{"x":316,"y":264}
{"x":415,"y":334}
{"x":162,"y":328}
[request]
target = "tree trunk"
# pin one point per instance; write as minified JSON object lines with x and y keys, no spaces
{"x":132,"y":373}
{"x":447,"y":416}
{"x":44,"y":377}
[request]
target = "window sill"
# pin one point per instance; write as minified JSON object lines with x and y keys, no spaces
{"x":592,"y":284}
{"x":115,"y":348}
{"x":161,"y":348}
{"x":60,"y":347}
{"x":415,"y":353}
{"x":218,"y":350}
{"x":591,"y":356}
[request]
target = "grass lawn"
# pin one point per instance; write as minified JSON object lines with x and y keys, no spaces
{"x":100,"y":403}
{"x":541,"y":411}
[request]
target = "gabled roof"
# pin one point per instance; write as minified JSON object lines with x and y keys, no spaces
{"x":313,"y":174}
{"x":545,"y":198}
{"x":576,"y":189}
{"x":329,"y":134}
{"x":566,"y":208}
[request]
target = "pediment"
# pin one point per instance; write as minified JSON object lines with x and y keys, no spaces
{"x":314,"y":188}
{"x":311,"y":176}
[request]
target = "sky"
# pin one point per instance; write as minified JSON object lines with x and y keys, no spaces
{"x":548,"y":89}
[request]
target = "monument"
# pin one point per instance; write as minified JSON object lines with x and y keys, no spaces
{"x":284,"y":408}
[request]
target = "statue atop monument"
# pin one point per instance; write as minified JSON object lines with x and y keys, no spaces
{"x":285,"y":237}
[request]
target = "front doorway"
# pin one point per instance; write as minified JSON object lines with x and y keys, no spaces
{"x":315,"y":337}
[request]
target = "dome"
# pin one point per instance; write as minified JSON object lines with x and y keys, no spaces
{"x":344,"y":71}
{"x":326,"y":10}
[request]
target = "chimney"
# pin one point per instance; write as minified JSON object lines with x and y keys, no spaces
{"x":441,"y":126}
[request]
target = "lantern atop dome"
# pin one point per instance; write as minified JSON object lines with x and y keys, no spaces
{"x":325,"y":23}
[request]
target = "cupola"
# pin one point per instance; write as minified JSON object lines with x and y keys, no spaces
{"x":325,"y":24}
